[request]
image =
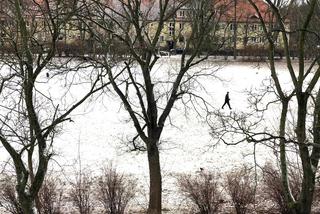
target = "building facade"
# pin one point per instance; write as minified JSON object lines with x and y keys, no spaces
{"x":235,"y":27}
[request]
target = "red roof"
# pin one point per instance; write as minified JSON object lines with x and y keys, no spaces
{"x":245,"y":12}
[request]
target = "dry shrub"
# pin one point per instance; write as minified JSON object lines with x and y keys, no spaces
{"x":316,"y":196}
{"x":81,"y":194}
{"x":51,"y":196}
{"x":8,"y":197}
{"x":114,"y":191}
{"x":203,"y":190}
{"x":240,"y":185}
{"x":273,"y":189}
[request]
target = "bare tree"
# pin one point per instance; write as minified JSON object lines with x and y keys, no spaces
{"x":30,"y":117}
{"x":304,"y":77}
{"x":302,"y":90}
{"x":137,"y":26}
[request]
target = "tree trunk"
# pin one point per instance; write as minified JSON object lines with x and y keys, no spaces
{"x":26,"y":204}
{"x":290,"y":201}
{"x":307,"y":191}
{"x":306,"y":195}
{"x":30,"y":166}
{"x":155,"y":178}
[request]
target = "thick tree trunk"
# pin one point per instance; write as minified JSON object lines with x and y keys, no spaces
{"x":26,"y":204}
{"x":306,"y":200}
{"x":155,"y":178}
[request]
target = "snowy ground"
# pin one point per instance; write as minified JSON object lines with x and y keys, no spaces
{"x":98,"y":132}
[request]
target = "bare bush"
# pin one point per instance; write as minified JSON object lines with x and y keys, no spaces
{"x":81,"y":194}
{"x":8,"y":197}
{"x":51,"y":197}
{"x":203,"y":190}
{"x":273,"y":188}
{"x":316,"y":197}
{"x":114,"y":191}
{"x":240,"y":186}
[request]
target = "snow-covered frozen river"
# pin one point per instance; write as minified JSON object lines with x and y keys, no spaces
{"x":101,"y":127}
{"x":99,"y":133}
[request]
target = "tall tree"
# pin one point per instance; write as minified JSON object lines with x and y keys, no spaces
{"x":137,"y":27}
{"x":303,"y":80}
{"x":30,"y":116}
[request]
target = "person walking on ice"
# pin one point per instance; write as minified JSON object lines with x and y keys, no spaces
{"x":227,"y":101}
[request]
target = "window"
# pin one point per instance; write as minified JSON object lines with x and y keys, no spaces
{"x":181,"y":13}
{"x":254,"y":39}
{"x":171,"y":29}
{"x":161,"y":38}
{"x":253,"y":27}
{"x":180,"y":26}
{"x":233,"y":26}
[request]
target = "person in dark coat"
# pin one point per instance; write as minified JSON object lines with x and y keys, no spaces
{"x":227,"y":101}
